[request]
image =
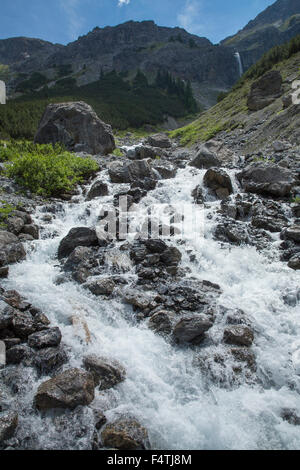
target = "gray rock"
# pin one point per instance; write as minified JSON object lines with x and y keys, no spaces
{"x":11,"y":250}
{"x":32,"y":230}
{"x":192,"y":329}
{"x":137,"y":298}
{"x":69,"y":389}
{"x":104,"y":286}
{"x":15,"y":224}
{"x":8,"y":425}
{"x":239,"y":335}
{"x":197,"y":195}
{"x":161,"y":322}
{"x":171,"y":256}
{"x":293,"y":233}
{"x":265,"y":90}
{"x":219,"y":183}
{"x":130,"y":171}
{"x":266,"y":178}
{"x":19,"y":353}
{"x":23,"y":324}
{"x":72,"y":124}
{"x":125,"y":434}
{"x":49,"y":359}
{"x":79,"y":236}
{"x":44,"y":339}
{"x":6,"y":315}
{"x":165,"y":169}
{"x":159,"y":140}
{"x":106,"y":372}
{"x":205,"y":159}
{"x":294,"y":262}
{"x":98,"y":189}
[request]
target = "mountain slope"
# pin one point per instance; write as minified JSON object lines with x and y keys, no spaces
{"x":274,"y":26}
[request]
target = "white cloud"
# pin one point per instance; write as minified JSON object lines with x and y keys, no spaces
{"x":74,"y":19}
{"x":123,"y":2}
{"x":189,"y":16}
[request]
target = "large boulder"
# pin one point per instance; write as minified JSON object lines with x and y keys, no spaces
{"x":159,"y":140}
{"x":266,"y":178}
{"x":106,"y":372}
{"x":164,"y":168}
{"x":11,"y":250}
{"x":102,"y":286}
{"x":77,"y":126}
{"x":130,"y":171}
{"x":69,"y":389}
{"x":205,"y":158}
{"x":78,"y":236}
{"x":239,"y":335}
{"x":218,"y":182}
{"x":98,"y":189}
{"x":125,"y":434}
{"x":45,"y":338}
{"x":265,"y":90}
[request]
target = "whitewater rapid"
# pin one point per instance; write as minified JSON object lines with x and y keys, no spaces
{"x":164,"y":389}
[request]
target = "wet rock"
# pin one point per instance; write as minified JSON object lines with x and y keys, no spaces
{"x":239,"y":335}
{"x":165,"y":169}
{"x":79,"y":236}
{"x":6,"y":315}
{"x":265,"y":90}
{"x":11,"y":250}
{"x":69,"y":389}
{"x":268,"y":223}
{"x":32,"y":230}
{"x":100,"y":419}
{"x":156,"y":245}
{"x":137,"y":298}
{"x":244,"y":355}
{"x":159,"y":140}
{"x":19,"y":353}
{"x":130,"y":171}
{"x":294,"y":262}
{"x":232,"y":233}
{"x":98,"y":189}
{"x":4,"y":270}
{"x":219,"y":183}
{"x":292,"y":233}
{"x":205,"y":159}
{"x":161,"y":322}
{"x":267,"y":179}
{"x":171,"y":256}
{"x":197,"y":195}
{"x":15,"y":224}
{"x":147,"y":184}
{"x":192,"y":329}
{"x":104,"y":286}
{"x":106,"y":372}
{"x":48,"y":360}
{"x":8,"y":425}
{"x":44,"y":339}
{"x":125,"y":434}
{"x":287,"y":101}
{"x":291,"y":416}
{"x":23,"y":324}
{"x":77,"y":127}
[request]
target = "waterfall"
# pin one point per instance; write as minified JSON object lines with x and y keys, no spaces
{"x":172,"y":396}
{"x":239,"y":60}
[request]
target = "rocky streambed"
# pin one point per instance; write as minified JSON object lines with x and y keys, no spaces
{"x":184,"y":341}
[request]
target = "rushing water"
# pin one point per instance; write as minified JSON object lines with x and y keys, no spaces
{"x":163,"y":388}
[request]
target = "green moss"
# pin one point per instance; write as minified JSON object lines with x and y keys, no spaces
{"x":5,"y":211}
{"x":118,"y":152}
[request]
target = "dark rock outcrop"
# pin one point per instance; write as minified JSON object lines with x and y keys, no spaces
{"x":266,"y":178}
{"x":106,"y":372}
{"x":98,"y":189}
{"x":265,"y":90}
{"x":218,"y":182}
{"x":78,"y":236}
{"x":205,"y":158}
{"x":77,"y":126}
{"x":11,"y":250}
{"x":192,"y":329}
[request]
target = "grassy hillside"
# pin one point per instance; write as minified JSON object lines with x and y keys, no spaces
{"x":118,"y":102}
{"x":232,"y":112}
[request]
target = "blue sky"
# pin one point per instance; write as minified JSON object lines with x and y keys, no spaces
{"x":64,"y":20}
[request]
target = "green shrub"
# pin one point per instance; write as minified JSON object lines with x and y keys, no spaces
{"x":48,"y":171}
{"x":5,"y":211}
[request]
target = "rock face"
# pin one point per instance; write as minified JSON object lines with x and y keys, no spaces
{"x":125,"y":434}
{"x":265,"y":90}
{"x":8,"y":424}
{"x":67,"y":390}
{"x":76,"y":126}
{"x":264,"y":178}
{"x":106,"y":372}
{"x":78,"y":236}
